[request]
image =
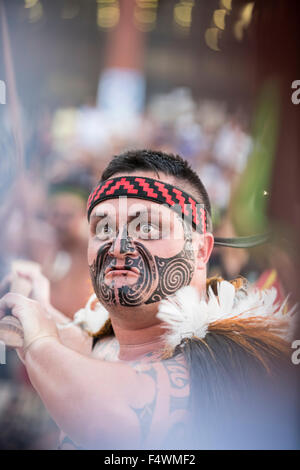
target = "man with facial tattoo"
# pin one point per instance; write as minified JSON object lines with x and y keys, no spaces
{"x":176,"y":361}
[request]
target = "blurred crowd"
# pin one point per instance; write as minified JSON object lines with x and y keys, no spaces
{"x":66,"y":151}
{"x":43,"y":215}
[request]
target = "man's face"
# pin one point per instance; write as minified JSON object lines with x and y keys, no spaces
{"x":139,"y":252}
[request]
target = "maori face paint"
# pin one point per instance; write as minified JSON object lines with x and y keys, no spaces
{"x":174,"y":272}
{"x":107,"y":282}
{"x":142,"y":278}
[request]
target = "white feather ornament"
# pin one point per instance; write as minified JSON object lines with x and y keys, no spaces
{"x":186,"y":314}
{"x":91,"y":320}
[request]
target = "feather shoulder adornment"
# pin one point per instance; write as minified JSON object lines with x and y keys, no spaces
{"x":231,"y":308}
{"x":187,"y":314}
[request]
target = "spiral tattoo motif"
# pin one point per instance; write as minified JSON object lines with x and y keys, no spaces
{"x":174,"y":272}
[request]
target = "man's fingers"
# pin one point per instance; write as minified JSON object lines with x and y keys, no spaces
{"x":9,"y":302}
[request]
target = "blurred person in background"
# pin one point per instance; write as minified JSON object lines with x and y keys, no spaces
{"x":231,"y":262}
{"x":67,"y":270}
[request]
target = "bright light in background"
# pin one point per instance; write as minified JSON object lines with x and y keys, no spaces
{"x":30,"y":3}
{"x":226,"y":4}
{"x":247,"y":13}
{"x":211,"y":38}
{"x":108,"y":13}
{"x":145,"y":20}
{"x":212,"y":34}
{"x":35,"y":12}
{"x":146,"y":3}
{"x":145,"y":15}
{"x":183,"y":14}
{"x":244,"y":21}
{"x":219,"y":18}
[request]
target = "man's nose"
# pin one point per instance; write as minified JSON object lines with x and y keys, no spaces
{"x":122,"y":244}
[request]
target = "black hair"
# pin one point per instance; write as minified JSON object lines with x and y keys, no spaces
{"x":156,"y":161}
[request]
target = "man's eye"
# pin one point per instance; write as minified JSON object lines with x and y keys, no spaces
{"x":146,"y":228}
{"x":104,"y":231}
{"x":149,"y":231}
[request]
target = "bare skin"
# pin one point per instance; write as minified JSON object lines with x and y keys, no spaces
{"x":121,"y":395}
{"x":160,"y":410}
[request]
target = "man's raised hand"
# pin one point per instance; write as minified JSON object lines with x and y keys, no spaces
{"x":35,"y":321}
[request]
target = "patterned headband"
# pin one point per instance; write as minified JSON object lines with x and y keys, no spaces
{"x":152,"y":190}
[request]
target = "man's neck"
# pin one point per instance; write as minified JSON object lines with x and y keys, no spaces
{"x":136,"y":342}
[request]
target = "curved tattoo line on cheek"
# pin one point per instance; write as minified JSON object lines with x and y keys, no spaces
{"x":174,"y":272}
{"x":97,"y":270}
{"x":158,"y":277}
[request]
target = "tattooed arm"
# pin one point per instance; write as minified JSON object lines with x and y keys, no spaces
{"x":163,"y":410}
{"x":101,"y":404}
{"x":162,"y":415}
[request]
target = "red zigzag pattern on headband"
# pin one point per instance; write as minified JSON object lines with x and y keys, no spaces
{"x":150,"y":189}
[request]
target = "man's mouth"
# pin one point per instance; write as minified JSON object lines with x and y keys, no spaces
{"x":121,"y":276}
{"x":121,"y":270}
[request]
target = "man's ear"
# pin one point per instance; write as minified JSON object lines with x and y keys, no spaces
{"x":205,"y":247}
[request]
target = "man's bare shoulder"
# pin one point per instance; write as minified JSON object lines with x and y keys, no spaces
{"x":160,"y":400}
